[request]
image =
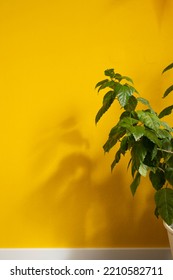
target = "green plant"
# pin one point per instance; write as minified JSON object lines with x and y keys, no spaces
{"x":145,"y":135}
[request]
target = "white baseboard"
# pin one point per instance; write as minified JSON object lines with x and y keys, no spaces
{"x":87,"y":254}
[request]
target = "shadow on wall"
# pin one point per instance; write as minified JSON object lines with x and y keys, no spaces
{"x":73,"y":210}
{"x":160,"y":7}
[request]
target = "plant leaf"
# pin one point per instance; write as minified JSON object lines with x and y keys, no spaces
{"x":154,"y":152}
{"x":163,"y":133}
{"x":122,"y":150}
{"x":134,"y":168}
{"x":109,"y":96}
{"x":138,"y":154}
{"x":145,"y":102}
{"x":157,"y":179}
{"x":149,"y":119}
{"x":167,"y":145}
{"x":156,"y":212}
{"x":112,"y":140}
{"x":124,"y":144}
{"x":125,"y":114}
{"x":114,"y":130}
{"x":152,"y":137}
{"x":166,"y":125}
{"x":123,"y":95}
{"x":135,"y":183}
{"x":138,"y":132}
{"x":168,"y":91}
{"x":164,"y":204}
{"x":170,"y":162}
{"x":127,"y":79}
{"x":110,"y":73}
{"x":118,"y":77}
{"x":129,"y":124}
{"x":107,"y":102}
{"x":143,"y":169}
{"x":170,"y":66}
{"x":116,"y":160}
{"x":101,"y":83}
{"x":165,"y":112}
{"x":169,"y":175}
{"x":109,"y":84}
{"x":128,"y":121}
{"x":132,"y":103}
{"x":133,"y":89}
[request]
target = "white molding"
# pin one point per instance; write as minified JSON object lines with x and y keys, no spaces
{"x":86,"y":254}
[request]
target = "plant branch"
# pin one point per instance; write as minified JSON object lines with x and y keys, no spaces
{"x":166,"y":151}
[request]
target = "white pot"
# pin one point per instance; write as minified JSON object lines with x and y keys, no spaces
{"x":170,"y":235}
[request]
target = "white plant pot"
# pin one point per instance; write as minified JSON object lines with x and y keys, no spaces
{"x":170,"y":235}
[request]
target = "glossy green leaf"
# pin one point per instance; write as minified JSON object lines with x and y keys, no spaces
{"x":125,"y":114}
{"x":118,"y":77}
{"x":138,"y":154}
{"x":149,"y":119}
{"x":109,"y":97}
{"x":108,"y":84}
{"x":163,"y":133}
{"x":152,"y":137}
{"x":134,"y":185}
{"x":166,"y":111}
{"x":117,"y":87}
{"x":143,"y":169}
{"x":113,"y":140}
{"x":138,"y":132}
{"x":101,"y":83}
{"x":128,"y":121}
{"x":170,"y":66}
{"x":170,"y":162}
{"x":157,"y":179}
{"x":124,"y":94}
{"x":166,"y":126}
{"x":156,"y":212}
{"x":167,"y":145}
{"x":164,"y":204}
{"x":151,"y":163}
{"x":127,"y":79}
{"x":107,"y":102}
{"x":134,"y":167}
{"x":116,"y":159}
{"x":145,"y":102}
{"x":133,"y":89}
{"x":154,"y":152}
{"x":131,"y":104}
{"x":122,"y":150}
{"x":168,"y":91}
{"x":169,"y":175}
{"x":114,"y":130}
{"x":110,"y":73}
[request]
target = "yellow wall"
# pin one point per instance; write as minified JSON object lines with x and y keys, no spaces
{"x":56,"y":185}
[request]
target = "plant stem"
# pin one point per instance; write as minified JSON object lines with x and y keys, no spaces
{"x":166,"y":151}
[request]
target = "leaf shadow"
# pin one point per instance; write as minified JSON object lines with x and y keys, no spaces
{"x":71,"y":208}
{"x":160,"y":7}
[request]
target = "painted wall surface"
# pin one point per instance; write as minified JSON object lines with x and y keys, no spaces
{"x":56,"y":186}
